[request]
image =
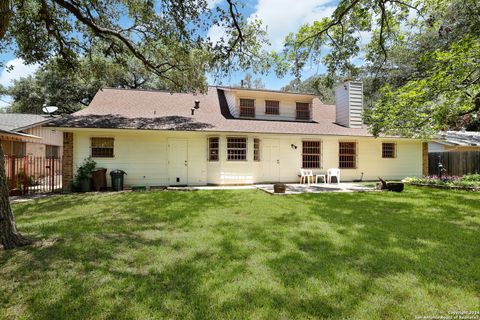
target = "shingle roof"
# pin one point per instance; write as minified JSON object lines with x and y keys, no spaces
{"x":18,"y":121}
{"x":460,"y":138}
{"x":158,"y":110}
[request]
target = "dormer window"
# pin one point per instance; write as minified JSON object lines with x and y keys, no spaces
{"x":303,"y":111}
{"x":272,"y":107}
{"x":247,"y":108}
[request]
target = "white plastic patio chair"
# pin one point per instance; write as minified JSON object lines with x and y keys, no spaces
{"x":333,"y":172}
{"x":306,"y":174}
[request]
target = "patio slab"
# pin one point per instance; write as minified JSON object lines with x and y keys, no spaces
{"x":318,"y":188}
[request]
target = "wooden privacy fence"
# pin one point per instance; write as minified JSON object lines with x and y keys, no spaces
{"x":26,"y":175}
{"x":455,"y":163}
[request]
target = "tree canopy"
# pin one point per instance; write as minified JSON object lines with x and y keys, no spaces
{"x":71,"y":91}
{"x":422,"y":61}
{"x":167,"y":37}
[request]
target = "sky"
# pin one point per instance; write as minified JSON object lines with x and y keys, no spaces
{"x":279,"y":16}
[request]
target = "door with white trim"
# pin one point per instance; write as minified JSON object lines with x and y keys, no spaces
{"x":270,"y":160}
{"x":177,"y":162}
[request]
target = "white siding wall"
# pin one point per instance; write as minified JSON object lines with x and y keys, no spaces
{"x":355,"y":90}
{"x":349,"y":101}
{"x":36,"y":147}
{"x":49,"y":136}
{"x":435,"y":147}
{"x":342,"y":107}
{"x":287,"y":103}
{"x":232,"y":106}
{"x":143,"y":155}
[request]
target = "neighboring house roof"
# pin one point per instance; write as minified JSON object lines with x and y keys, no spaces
{"x":159,"y":110}
{"x":459,"y":138}
{"x":20,"y":121}
{"x":6,"y":133}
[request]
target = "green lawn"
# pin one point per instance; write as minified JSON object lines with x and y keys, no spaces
{"x":245,"y":254}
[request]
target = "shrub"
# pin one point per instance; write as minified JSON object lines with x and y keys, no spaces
{"x":84,"y":171}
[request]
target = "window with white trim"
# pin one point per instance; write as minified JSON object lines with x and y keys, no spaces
{"x":256,"y":149}
{"x":236,"y":148}
{"x":213,"y":149}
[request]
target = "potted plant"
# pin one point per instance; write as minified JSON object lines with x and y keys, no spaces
{"x":83,"y":177}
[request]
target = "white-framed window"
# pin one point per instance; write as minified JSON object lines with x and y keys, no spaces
{"x":213,"y":148}
{"x":236,"y":148}
{"x":256,"y":149}
{"x":102,"y":147}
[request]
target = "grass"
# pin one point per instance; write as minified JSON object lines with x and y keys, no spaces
{"x":245,"y":254}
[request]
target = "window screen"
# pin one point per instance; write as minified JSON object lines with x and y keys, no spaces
{"x":213,"y":148}
{"x":247,"y":108}
{"x":236,"y":149}
{"x":303,"y":111}
{"x":347,"y":155}
{"x":102,"y":147}
{"x":272,"y":107}
{"x":311,"y":155}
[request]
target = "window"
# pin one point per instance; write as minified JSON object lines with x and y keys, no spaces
{"x":311,"y":155}
{"x":213,"y":149}
{"x":347,"y":155}
{"x":102,"y":147}
{"x":388,"y":150}
{"x":303,"y":111}
{"x":236,"y":149}
{"x":51,"y":152}
{"x":247,"y":108}
{"x":272,"y":107}
{"x":14,"y":148}
{"x":256,"y":149}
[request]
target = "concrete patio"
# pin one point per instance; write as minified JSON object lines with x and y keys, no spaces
{"x":319,"y":188}
{"x":293,"y":188}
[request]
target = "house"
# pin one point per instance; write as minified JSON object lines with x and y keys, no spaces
{"x":23,"y":134}
{"x":231,"y":136}
{"x":456,"y":141}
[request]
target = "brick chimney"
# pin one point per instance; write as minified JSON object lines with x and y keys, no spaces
{"x":349,"y":104}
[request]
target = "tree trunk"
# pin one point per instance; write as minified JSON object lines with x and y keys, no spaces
{"x":9,"y":236}
{"x":5,"y":16}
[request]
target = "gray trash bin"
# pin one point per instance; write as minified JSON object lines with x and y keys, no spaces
{"x":117,"y":179}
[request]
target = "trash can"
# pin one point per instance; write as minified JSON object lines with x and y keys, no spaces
{"x":117,"y":179}
{"x":99,"y":177}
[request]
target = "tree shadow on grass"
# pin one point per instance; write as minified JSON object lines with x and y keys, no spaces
{"x":156,"y":255}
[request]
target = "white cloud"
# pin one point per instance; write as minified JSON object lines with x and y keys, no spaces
{"x":20,"y":69}
{"x":213,"y":3}
{"x":282,"y":16}
{"x":215,"y":33}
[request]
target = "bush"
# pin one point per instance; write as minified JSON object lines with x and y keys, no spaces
{"x":84,"y":171}
{"x":471,"y":177}
{"x":472,"y":180}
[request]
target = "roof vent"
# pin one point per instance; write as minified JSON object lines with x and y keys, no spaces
{"x":197,"y":104}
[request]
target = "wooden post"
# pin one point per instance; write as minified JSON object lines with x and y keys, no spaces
{"x":425,"y":158}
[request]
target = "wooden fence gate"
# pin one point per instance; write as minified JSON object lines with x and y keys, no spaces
{"x":27,"y":175}
{"x":455,"y":163}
